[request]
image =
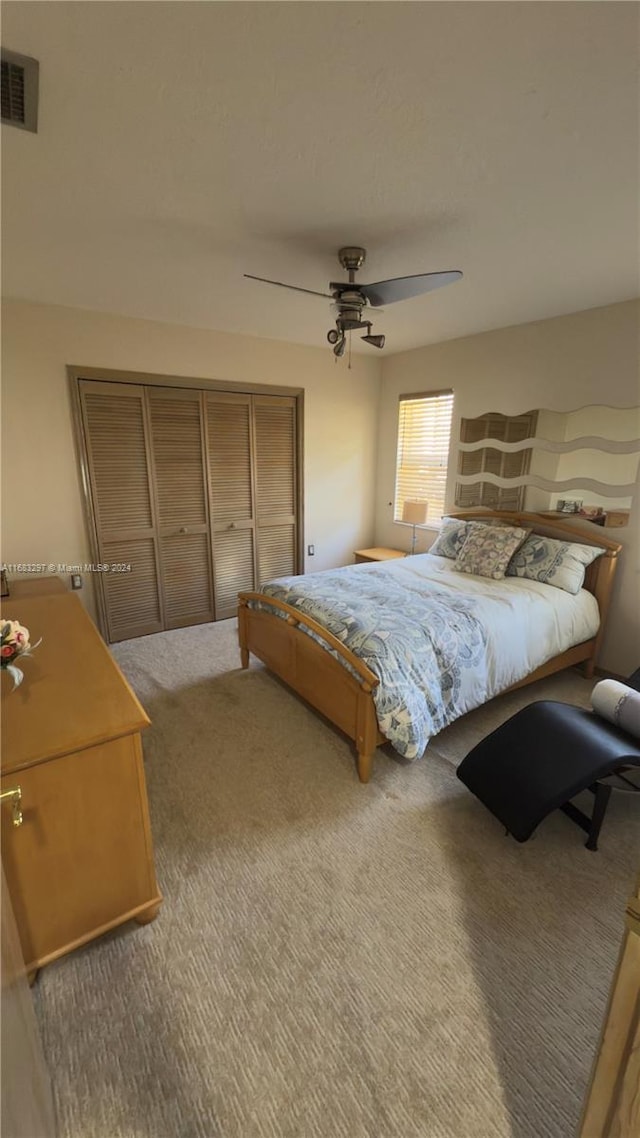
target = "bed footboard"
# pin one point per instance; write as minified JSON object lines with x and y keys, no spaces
{"x":283,"y":643}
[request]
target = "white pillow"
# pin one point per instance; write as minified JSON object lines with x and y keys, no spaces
{"x":558,"y":563}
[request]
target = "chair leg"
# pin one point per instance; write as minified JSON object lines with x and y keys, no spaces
{"x":602,"y":796}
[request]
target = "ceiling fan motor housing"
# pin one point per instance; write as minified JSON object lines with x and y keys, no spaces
{"x":350,"y":305}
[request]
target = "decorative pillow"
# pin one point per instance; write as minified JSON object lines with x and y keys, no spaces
{"x":618,"y":703}
{"x":558,"y":563}
{"x":450,"y":539}
{"x":487,"y":550}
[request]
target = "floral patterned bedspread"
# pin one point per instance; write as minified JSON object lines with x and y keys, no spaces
{"x":441,"y":643}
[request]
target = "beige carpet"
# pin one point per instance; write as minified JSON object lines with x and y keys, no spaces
{"x":333,"y":960}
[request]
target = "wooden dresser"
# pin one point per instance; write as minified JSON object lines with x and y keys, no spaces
{"x":81,"y":861}
{"x":26,"y":587}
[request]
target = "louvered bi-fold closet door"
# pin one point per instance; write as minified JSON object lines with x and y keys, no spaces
{"x":276,"y":485}
{"x":231,"y":489}
{"x":179,"y":481}
{"x":116,"y":442}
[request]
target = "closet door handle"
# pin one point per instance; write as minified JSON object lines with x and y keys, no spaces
{"x":232,"y":525}
{"x":183,"y":529}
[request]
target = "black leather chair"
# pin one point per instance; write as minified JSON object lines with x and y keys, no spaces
{"x":543,"y":757}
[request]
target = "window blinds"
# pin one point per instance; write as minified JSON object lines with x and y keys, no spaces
{"x":424,"y":432}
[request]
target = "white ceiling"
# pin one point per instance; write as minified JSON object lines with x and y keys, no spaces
{"x":183,"y":144}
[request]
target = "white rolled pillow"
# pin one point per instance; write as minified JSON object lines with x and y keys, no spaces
{"x":619,"y":704}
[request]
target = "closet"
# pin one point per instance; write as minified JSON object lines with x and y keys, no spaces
{"x":192,"y":496}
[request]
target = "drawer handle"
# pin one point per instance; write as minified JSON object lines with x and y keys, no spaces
{"x":15,"y":797}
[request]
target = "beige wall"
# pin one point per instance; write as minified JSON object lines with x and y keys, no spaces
{"x":621,"y":469}
{"x":544,"y":462}
{"x":42,"y":518}
{"x":561,"y":364}
{"x":614,"y":424}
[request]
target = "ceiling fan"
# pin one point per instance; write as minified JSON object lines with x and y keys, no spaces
{"x":352,"y":301}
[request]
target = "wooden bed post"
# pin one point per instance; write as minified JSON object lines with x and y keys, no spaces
{"x":599,"y":579}
{"x":367,"y":733}
{"x":242,"y":632}
{"x":365,"y":763}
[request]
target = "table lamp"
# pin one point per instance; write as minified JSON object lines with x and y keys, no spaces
{"x":414,"y":513}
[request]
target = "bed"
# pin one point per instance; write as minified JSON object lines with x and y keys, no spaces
{"x":485,"y":637}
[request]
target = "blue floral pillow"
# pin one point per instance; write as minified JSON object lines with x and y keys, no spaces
{"x":558,"y":563}
{"x":451,"y":538}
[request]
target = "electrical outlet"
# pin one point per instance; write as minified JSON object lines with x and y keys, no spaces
{"x":76,"y":581}
{"x":311,"y":549}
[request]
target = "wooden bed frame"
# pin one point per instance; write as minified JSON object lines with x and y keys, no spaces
{"x":346,"y":698}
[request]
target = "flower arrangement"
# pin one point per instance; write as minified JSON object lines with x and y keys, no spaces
{"x":15,"y":643}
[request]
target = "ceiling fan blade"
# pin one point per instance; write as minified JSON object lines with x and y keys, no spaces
{"x":295,"y":288}
{"x":344,"y":286}
{"x":402,"y":288}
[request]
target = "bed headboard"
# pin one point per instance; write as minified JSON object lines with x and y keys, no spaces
{"x":599,"y":575}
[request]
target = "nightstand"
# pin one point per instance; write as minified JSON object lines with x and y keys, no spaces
{"x":379,"y":553}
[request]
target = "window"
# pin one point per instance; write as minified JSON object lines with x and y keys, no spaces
{"x":424,"y":432}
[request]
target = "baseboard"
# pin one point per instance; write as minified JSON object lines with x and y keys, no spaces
{"x":604,"y":674}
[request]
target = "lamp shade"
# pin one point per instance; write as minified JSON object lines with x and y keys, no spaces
{"x":414,"y":511}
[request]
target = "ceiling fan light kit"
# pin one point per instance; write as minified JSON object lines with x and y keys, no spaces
{"x":351,"y":300}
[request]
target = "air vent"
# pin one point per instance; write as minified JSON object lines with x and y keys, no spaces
{"x":19,"y":90}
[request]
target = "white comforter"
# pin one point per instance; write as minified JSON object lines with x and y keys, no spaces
{"x":526,"y":622}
